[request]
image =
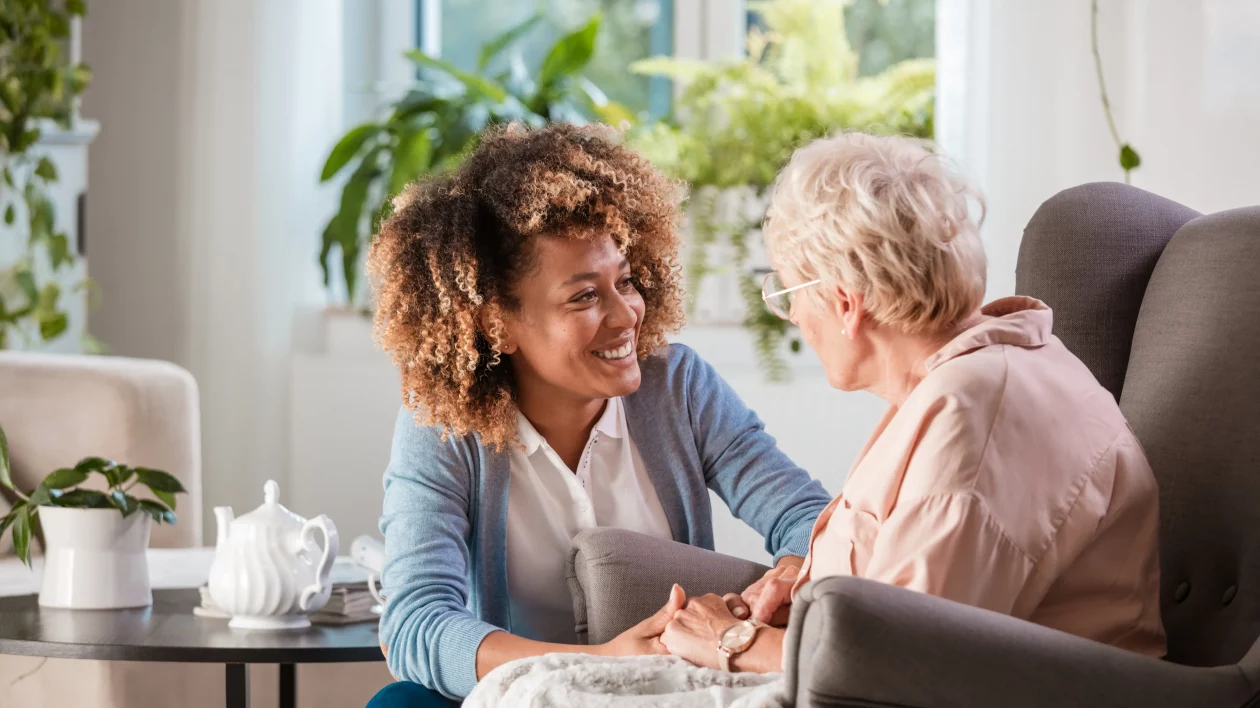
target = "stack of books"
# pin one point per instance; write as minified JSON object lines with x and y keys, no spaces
{"x":350,"y":603}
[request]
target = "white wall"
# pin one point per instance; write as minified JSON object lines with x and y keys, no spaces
{"x":132,"y":214}
{"x":1194,"y":100}
{"x":1020,"y":108}
{"x":205,"y":212}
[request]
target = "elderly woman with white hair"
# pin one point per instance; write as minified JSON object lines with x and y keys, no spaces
{"x":1002,"y":476}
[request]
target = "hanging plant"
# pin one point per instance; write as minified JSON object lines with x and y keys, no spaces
{"x":737,"y":122}
{"x":37,"y":83}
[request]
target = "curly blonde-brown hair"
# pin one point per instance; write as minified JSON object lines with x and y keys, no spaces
{"x":444,"y":264}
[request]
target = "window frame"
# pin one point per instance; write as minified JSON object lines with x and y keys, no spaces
{"x":696,"y":29}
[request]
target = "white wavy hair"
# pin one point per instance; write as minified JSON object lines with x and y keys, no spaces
{"x":887,"y":217}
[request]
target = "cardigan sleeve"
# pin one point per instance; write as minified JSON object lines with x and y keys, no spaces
{"x":429,"y":634}
{"x":744,"y":466}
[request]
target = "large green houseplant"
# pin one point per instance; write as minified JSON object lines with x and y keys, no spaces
{"x":432,"y":126}
{"x":38,"y":88}
{"x":736,"y":123}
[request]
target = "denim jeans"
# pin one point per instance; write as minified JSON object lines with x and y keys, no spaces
{"x":406,"y":694}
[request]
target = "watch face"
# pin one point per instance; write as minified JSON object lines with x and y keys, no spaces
{"x":738,"y":637}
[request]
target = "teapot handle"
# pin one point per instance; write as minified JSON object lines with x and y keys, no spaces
{"x":323,"y":572}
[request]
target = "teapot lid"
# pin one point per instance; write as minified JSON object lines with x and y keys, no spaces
{"x":271,"y":513}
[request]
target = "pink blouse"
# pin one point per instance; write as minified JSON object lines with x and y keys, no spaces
{"x":1007,"y":480}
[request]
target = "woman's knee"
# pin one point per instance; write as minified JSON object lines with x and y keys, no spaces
{"x":405,"y":694}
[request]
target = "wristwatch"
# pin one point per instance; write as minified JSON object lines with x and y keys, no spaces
{"x":735,"y":640}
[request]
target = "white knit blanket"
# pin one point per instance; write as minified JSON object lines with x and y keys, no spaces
{"x":582,"y":681}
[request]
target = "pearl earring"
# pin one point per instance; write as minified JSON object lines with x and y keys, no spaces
{"x":843,"y":332}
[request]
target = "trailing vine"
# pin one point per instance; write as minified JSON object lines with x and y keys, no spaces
{"x":1129,"y":158}
{"x":38,"y":88}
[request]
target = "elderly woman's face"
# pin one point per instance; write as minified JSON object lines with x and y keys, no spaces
{"x":816,"y":312}
{"x":577,"y":329}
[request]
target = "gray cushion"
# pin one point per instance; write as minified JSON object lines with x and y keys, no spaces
{"x":618,"y":578}
{"x":1087,"y":253}
{"x":1192,"y":395}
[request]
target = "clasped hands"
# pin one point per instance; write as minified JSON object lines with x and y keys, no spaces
{"x":691,"y":627}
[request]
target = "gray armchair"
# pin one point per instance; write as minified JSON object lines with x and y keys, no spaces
{"x":1163,"y":305}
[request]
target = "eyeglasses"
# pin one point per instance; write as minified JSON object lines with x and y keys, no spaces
{"x":777,"y":297}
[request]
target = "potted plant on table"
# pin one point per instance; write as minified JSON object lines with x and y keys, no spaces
{"x":95,"y":539}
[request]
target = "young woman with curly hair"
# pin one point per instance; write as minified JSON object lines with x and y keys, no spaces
{"x":526,"y":298}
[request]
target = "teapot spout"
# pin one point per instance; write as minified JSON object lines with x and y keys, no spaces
{"x":223,"y":517}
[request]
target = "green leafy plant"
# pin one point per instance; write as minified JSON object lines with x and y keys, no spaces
{"x":1129,"y":158}
{"x":38,"y":87}
{"x":431,"y":128}
{"x":63,"y":488}
{"x":736,"y":123}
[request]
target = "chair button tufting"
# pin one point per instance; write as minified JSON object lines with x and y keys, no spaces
{"x":1230,"y":592}
{"x":1182,"y":591}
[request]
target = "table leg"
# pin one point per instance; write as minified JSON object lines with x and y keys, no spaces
{"x":237,"y":685}
{"x":288,"y":686}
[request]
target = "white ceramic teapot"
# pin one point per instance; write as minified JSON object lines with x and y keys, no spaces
{"x":268,"y":572}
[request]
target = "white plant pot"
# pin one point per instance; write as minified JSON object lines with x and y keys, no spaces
{"x":95,"y":559}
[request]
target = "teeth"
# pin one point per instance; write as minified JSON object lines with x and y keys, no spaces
{"x":621,"y":352}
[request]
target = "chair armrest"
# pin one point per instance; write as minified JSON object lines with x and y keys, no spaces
{"x":858,"y":642}
{"x":617,"y":578}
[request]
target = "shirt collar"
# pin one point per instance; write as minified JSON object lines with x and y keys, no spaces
{"x":610,"y":425}
{"x":1020,"y":321}
{"x":528,"y":435}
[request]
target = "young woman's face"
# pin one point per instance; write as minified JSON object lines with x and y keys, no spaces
{"x":577,"y":329}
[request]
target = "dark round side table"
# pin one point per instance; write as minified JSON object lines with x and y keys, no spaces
{"x":168,"y":631}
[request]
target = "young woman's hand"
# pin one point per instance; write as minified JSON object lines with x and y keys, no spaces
{"x":645,"y":637}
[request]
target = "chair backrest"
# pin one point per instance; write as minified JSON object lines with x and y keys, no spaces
{"x":58,"y":408}
{"x":1192,"y":395}
{"x":1163,"y":305}
{"x":1088,"y":253}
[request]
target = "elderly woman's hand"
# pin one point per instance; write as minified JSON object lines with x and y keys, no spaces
{"x":768,"y":600}
{"x":694,"y":631}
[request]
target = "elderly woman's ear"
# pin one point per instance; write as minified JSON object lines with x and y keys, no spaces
{"x":847,"y":308}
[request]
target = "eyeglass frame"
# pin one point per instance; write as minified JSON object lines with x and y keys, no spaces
{"x":765,"y":297}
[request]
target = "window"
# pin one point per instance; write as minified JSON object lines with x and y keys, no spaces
{"x":631,"y":30}
{"x":884,"y":32}
{"x":377,"y":32}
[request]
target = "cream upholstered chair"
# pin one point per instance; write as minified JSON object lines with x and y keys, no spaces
{"x":56,"y":409}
